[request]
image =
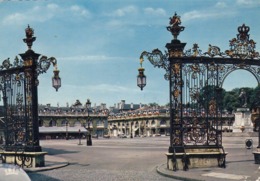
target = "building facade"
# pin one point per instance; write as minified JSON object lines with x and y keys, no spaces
{"x":123,"y":120}
{"x":72,"y":122}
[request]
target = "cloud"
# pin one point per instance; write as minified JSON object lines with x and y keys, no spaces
{"x":109,"y":88}
{"x":77,"y":10}
{"x":93,"y":58}
{"x":157,"y":12}
{"x":132,"y":16}
{"x":221,"y":5}
{"x":32,"y":15}
{"x":124,"y":11}
{"x":192,"y":15}
{"x":45,"y":13}
{"x":248,"y":2}
{"x":52,"y":6}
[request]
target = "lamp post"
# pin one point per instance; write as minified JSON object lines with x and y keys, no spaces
{"x":67,"y":137}
{"x":79,"y":138}
{"x":131,"y":135}
{"x":89,"y":139}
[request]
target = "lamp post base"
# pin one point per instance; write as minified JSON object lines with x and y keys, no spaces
{"x":89,"y":140}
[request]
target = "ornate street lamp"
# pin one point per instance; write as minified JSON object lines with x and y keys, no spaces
{"x":56,"y":80}
{"x":141,"y":78}
{"x":89,"y":139}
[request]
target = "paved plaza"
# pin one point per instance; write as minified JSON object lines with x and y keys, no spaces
{"x":139,"y":159}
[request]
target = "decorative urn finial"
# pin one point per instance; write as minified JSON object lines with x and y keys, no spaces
{"x":175,"y":27}
{"x":29,"y":32}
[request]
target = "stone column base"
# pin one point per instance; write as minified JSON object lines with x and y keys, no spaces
{"x":196,"y":158}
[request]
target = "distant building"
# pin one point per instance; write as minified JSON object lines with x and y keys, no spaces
{"x":71,"y":122}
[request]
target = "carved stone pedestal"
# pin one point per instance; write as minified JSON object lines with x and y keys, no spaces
{"x":243,"y":121}
{"x":196,"y":158}
{"x":24,"y":159}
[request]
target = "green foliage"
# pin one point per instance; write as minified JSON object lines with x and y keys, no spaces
{"x":211,"y":92}
{"x":228,"y":100}
{"x":232,"y":101}
{"x":255,"y":97}
{"x":154,"y":104}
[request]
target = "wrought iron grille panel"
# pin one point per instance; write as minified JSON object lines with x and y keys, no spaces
{"x":14,"y":99}
{"x":17,"y":97}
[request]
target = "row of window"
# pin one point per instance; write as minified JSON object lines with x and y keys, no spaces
{"x":67,"y":123}
{"x":162,"y":122}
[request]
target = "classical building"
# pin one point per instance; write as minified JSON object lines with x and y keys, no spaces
{"x":72,"y":122}
{"x":132,"y":120}
{"x":123,"y":120}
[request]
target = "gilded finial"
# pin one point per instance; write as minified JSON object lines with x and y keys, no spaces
{"x":29,"y":32}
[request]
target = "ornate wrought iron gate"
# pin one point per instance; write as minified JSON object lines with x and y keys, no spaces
{"x":195,"y":81}
{"x":18,"y":83}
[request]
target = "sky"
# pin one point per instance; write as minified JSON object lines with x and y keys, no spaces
{"x":97,"y":43}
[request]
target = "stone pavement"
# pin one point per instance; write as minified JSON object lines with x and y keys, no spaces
{"x":51,"y":162}
{"x":237,"y":171}
{"x":239,"y":162}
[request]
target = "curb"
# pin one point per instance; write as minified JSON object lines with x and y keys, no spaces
{"x":161,"y":169}
{"x":51,"y":162}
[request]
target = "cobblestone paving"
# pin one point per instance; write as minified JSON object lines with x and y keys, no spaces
{"x":107,"y":160}
{"x":135,"y":160}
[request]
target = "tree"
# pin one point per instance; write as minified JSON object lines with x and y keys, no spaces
{"x":154,"y":104}
{"x":231,"y":101}
{"x":211,"y":92}
{"x":255,"y":97}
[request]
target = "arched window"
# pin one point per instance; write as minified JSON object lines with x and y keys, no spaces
{"x":153,"y":122}
{"x":52,"y":123}
{"x":63,"y":123}
{"x":163,"y":122}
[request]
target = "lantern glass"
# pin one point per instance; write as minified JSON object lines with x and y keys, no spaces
{"x":56,"y":82}
{"x":141,"y":81}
